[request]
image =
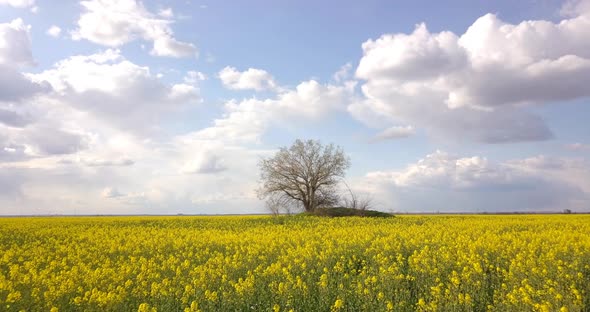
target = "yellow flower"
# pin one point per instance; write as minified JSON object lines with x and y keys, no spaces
{"x":338,"y":304}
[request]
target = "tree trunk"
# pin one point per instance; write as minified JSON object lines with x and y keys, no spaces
{"x":307,"y":206}
{"x":312,"y":200}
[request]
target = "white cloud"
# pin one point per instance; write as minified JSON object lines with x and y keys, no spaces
{"x":411,"y":57}
{"x":477,"y":85}
{"x":15,"y":44}
{"x":168,"y":46}
{"x":166,"y":13}
{"x":251,"y":79}
{"x":18,"y":139}
{"x":108,"y":162}
{"x":110,"y":192}
{"x":115,"y":23}
{"x":116,"y":90}
{"x":51,"y":140}
{"x":205,"y":162}
{"x":54,"y":31}
{"x":248,"y":119}
{"x":14,"y":119}
{"x":11,"y":150}
{"x":18,"y":3}
{"x":573,"y":8}
{"x":15,"y":87}
{"x":447,"y":183}
{"x":15,"y":52}
{"x":395,"y":132}
{"x":572,"y":171}
{"x":37,"y":140}
{"x":343,"y":73}
{"x":146,"y":175}
{"x":193,"y":77}
{"x":86,"y":107}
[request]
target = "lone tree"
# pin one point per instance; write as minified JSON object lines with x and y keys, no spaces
{"x":305,"y":174}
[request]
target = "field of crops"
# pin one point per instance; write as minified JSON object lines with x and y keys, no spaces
{"x":257,"y":263}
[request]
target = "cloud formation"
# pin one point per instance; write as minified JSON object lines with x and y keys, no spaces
{"x":247,"y":120}
{"x":111,"y":192}
{"x":53,"y":31}
{"x":15,"y":43}
{"x":15,"y":53}
{"x":478,"y":85}
{"x":395,"y":132}
{"x":114,"y":23}
{"x":18,"y":3}
{"x":250,"y":79}
{"x":116,"y":90}
{"x":109,"y":162}
{"x":204,"y":163}
{"x":449,"y":183}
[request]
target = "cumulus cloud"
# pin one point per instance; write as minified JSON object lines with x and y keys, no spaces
{"x":15,"y":87}
{"x":81,"y":107}
{"x":13,"y":119}
{"x":477,"y":85}
{"x":116,"y":90}
{"x":250,"y":79}
{"x":15,"y":52}
{"x":53,"y":31}
{"x":343,"y":73}
{"x":27,"y":137}
{"x":411,"y":57}
{"x":166,"y":13}
{"x":446,"y":183}
{"x":21,"y":136}
{"x":111,"y":192}
{"x":15,"y":44}
{"x":115,"y":23}
{"x":108,"y":162}
{"x":572,"y":8}
{"x":67,"y":143}
{"x":11,"y":150}
{"x":48,"y":140}
{"x":205,"y":162}
{"x":248,"y":119}
{"x":193,"y":77}
{"x":19,"y":3}
{"x":395,"y":132}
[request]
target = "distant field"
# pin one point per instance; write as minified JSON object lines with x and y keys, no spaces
{"x":257,"y":263}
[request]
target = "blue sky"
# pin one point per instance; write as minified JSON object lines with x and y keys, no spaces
{"x":122,"y":107}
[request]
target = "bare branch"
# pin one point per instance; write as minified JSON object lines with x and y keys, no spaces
{"x":306,"y":172}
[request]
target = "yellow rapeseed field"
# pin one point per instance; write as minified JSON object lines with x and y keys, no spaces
{"x":258,"y":263}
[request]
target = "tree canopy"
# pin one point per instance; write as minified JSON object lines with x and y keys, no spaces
{"x":305,"y":174}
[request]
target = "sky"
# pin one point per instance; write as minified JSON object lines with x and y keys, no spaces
{"x":166,"y":107}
